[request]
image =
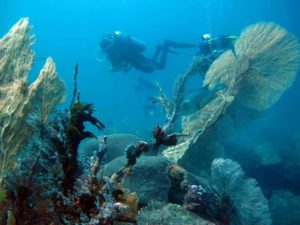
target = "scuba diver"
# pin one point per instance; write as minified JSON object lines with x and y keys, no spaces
{"x":214,"y":47}
{"x":210,"y":48}
{"x":125,"y":52}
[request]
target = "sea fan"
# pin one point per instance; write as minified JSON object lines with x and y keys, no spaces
{"x":250,"y":205}
{"x":257,"y":72}
{"x":263,"y":65}
{"x":274,"y":57}
{"x":17,"y":99}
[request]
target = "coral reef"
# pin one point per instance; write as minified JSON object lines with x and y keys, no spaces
{"x":36,"y":191}
{"x":95,"y":200}
{"x":18,"y":99}
{"x":48,"y":183}
{"x":40,"y":191}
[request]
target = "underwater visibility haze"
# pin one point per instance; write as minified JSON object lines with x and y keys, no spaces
{"x":150,"y":112}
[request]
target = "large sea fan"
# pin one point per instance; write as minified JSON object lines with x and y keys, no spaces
{"x":251,"y":207}
{"x":263,"y":65}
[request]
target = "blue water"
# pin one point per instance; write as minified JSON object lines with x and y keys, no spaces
{"x":70,"y":31}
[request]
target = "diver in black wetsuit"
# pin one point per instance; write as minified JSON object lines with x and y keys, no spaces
{"x":213,"y":47}
{"x":124,"y":52}
{"x":210,"y":48}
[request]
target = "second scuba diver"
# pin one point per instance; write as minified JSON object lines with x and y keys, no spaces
{"x":210,"y":48}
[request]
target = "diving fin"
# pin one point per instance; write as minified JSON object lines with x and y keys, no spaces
{"x":166,"y":48}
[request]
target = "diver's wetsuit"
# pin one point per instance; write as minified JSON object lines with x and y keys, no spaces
{"x":163,"y":51}
{"x":210,"y":49}
{"x":219,"y":44}
{"x":126,"y":52}
{"x":159,"y":58}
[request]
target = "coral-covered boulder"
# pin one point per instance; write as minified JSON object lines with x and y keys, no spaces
{"x":159,"y":213}
{"x":116,"y":145}
{"x":149,"y":178}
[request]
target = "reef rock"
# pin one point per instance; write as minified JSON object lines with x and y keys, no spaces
{"x":116,"y":145}
{"x":158,"y":213}
{"x":149,"y":178}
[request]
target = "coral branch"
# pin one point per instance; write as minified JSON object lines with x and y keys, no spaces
{"x":172,"y":107}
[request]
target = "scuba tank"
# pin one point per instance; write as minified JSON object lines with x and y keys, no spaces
{"x":133,"y":43}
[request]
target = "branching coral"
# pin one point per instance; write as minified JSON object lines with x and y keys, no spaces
{"x":68,"y":132}
{"x":17,"y":98}
{"x":67,"y":137}
{"x":37,"y":189}
{"x":133,"y":152}
{"x":95,"y":200}
{"x":171,"y":107}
